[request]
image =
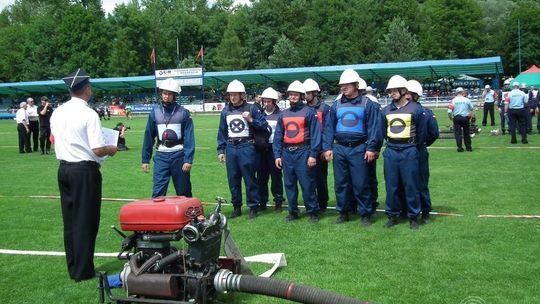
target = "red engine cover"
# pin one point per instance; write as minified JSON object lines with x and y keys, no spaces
{"x":169,"y":213}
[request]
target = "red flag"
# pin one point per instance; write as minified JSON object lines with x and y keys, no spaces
{"x":153,"y":56}
{"x":200,"y":54}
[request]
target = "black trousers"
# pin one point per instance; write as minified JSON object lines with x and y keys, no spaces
{"x":489,"y":108}
{"x":33,"y":135}
{"x":528,"y":119}
{"x":461,"y":131}
{"x":44,"y":140}
{"x":23,"y":139}
{"x":80,"y":195}
{"x":518,"y":116}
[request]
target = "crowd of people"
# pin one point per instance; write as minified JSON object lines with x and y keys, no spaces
{"x":261,"y":143}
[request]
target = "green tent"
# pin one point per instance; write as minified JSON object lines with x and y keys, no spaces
{"x":531,"y":77}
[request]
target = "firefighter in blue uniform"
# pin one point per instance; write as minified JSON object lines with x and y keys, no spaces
{"x":514,"y":105}
{"x":500,"y":105}
{"x":321,"y":169}
{"x":352,"y":139}
{"x":297,"y":143}
{"x":172,"y":125}
{"x":403,"y":125}
{"x":268,"y":169}
{"x":235,"y":140}
{"x":431,"y":128}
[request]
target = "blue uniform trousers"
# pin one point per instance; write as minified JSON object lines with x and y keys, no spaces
{"x":504,"y":119}
{"x":401,"y":168}
{"x":296,"y":170}
{"x":351,"y":177}
{"x":321,"y":183}
{"x":242,"y":162}
{"x":267,"y":169}
{"x":423,"y":162}
{"x":528,"y":117}
{"x":167,"y":165}
{"x":373,"y":185}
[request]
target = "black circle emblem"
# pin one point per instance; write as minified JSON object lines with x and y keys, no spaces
{"x":350,"y":119}
{"x":292,"y":129}
{"x":397,"y":125}
{"x":237,"y":125}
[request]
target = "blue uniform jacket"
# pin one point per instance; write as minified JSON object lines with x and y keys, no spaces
{"x":314,"y":132}
{"x":418,"y":117}
{"x":432,"y":127}
{"x":258,"y":123}
{"x":150,"y":134}
{"x":372,"y":125}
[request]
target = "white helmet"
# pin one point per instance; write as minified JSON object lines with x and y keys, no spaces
{"x":362,"y":85}
{"x":311,"y":85}
{"x":515,"y":84}
{"x":169,"y":84}
{"x":349,"y":76}
{"x":270,"y":93}
{"x":236,"y":86}
{"x":396,"y":82}
{"x":459,"y":90}
{"x":296,"y":86}
{"x":507,"y":81}
{"x":487,"y":86}
{"x":369,"y":89}
{"x":523,"y":85}
{"x":29,"y":99}
{"x":414,"y":87}
{"x":22,"y":104}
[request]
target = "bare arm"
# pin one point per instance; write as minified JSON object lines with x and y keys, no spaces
{"x":104,"y":151}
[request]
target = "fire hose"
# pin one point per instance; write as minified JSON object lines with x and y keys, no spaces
{"x":226,"y":281}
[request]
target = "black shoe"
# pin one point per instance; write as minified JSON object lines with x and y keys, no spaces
{"x":413,"y":224}
{"x":291,"y":217}
{"x":278,"y":208}
{"x":426,"y":218}
{"x":313,"y":218}
{"x":48,"y":152}
{"x":236,"y":212}
{"x":504,"y":132}
{"x":365,"y":221}
{"x":392,"y":221}
{"x":252,"y":213}
{"x":493,"y":124}
{"x":343,"y":217}
{"x":460,"y":149}
{"x":262,"y":207}
{"x":524,"y":142}
{"x":513,"y":142}
{"x":322,"y":210}
{"x":42,"y":152}
{"x":469,"y":149}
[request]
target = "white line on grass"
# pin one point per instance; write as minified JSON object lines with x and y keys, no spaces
{"x":522,"y":216}
{"x":481,"y":147}
{"x":51,"y":253}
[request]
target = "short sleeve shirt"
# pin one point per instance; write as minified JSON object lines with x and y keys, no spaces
{"x":77,"y":130}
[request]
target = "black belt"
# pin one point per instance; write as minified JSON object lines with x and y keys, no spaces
{"x":292,"y":148}
{"x":238,"y":141}
{"x":351,"y":144}
{"x":89,"y":163}
{"x":411,"y":140}
{"x":169,"y":143}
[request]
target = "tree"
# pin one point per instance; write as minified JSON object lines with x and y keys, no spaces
{"x":398,"y":44}
{"x":285,"y":54}
{"x":131,"y":45}
{"x":451,"y":28}
{"x":526,"y":13}
{"x":230,"y":55}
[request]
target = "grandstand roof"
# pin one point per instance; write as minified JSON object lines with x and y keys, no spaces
{"x":371,"y":72}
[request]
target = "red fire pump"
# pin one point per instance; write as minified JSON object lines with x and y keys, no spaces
{"x":159,"y":272}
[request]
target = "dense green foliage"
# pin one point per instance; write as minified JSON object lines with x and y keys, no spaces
{"x":47,"y":39}
{"x":444,"y":262}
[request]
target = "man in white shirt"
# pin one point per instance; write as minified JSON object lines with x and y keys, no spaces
{"x":33,"y":124}
{"x":80,"y":148}
{"x":22,"y":128}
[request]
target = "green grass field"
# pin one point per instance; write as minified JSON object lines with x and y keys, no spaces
{"x":494,"y":259}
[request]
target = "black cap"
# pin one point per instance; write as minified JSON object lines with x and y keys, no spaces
{"x":119,"y":124}
{"x":76,"y":80}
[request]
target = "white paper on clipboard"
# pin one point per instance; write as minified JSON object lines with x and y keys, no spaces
{"x":110,"y":136}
